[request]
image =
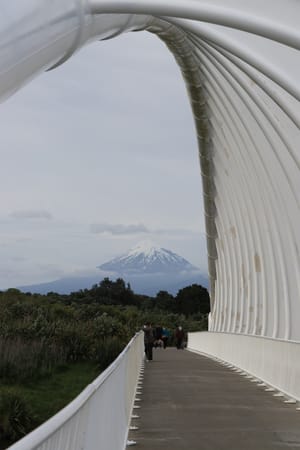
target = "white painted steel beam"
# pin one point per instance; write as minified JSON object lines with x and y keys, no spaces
{"x":241,"y":65}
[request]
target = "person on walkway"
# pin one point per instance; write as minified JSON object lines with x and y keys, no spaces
{"x":158,"y":342}
{"x":148,"y":341}
{"x":179,"y":338}
{"x":165,"y":336}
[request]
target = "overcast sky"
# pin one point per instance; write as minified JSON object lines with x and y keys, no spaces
{"x":96,"y":156}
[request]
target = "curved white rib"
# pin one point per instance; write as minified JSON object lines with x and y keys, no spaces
{"x":241,"y":64}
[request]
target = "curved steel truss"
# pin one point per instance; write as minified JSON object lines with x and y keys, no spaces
{"x":241,"y":64}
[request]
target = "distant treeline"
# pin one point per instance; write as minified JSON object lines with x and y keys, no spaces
{"x":40,"y":334}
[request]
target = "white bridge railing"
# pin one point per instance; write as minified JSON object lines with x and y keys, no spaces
{"x":274,"y":361}
{"x":99,"y":417}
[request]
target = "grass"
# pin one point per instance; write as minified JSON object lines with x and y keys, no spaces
{"x":48,"y":395}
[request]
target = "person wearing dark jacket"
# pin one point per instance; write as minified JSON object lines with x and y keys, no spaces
{"x":148,"y":341}
{"x":179,"y":338}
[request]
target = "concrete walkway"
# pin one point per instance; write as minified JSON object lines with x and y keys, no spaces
{"x":191,"y":402}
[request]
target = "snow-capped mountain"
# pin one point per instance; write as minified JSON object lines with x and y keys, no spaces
{"x":150,"y":268}
{"x":147,"y":267}
{"x":148,"y":258}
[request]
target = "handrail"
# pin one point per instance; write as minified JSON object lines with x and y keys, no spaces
{"x":273,"y":361}
{"x":80,"y":421}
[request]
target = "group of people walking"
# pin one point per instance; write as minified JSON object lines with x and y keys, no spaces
{"x":160,"y":337}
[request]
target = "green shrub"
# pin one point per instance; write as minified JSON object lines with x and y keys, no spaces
{"x":23,"y":361}
{"x":16,"y":419}
{"x":108,"y":350}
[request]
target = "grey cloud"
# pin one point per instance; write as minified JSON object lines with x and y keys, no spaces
{"x":118,"y":229}
{"x":18,"y":259}
{"x":23,"y":240}
{"x":177,"y":231}
{"x":31,"y":214}
{"x":51,"y":269}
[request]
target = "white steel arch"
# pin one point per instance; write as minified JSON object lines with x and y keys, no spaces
{"x":241,"y":64}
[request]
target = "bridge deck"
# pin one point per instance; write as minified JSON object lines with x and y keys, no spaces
{"x":192,"y":402}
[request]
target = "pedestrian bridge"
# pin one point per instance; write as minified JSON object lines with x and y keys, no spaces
{"x":240,"y":61}
{"x":181,"y":399}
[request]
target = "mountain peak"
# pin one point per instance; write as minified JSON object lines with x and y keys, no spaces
{"x":148,"y":257}
{"x":146,"y":247}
